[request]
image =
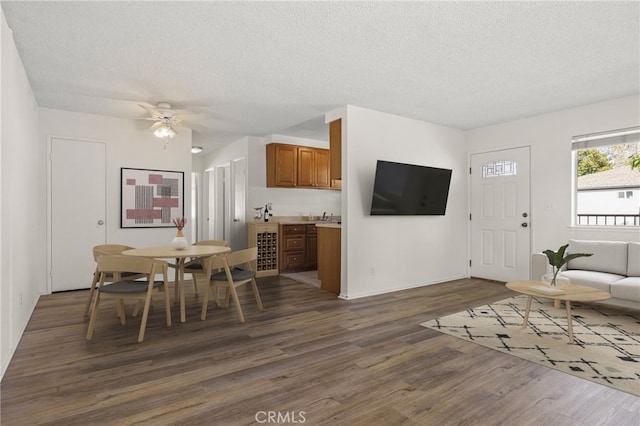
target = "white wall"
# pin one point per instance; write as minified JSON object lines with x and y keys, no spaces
{"x":388,"y":253}
{"x":549,"y":136}
{"x":22,"y":205}
{"x":128,"y":144}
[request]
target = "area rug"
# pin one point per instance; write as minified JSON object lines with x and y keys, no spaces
{"x":607,"y":340}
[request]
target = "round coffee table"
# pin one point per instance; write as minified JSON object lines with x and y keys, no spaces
{"x":570,"y":293}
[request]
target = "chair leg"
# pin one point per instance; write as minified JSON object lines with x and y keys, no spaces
{"x":254,"y":286}
{"x":236,"y":302}
{"x":205,"y":302}
{"x":136,"y":309}
{"x":145,"y":316}
{"x":121,"y":313}
{"x":195,"y":283}
{"x":167,"y":305}
{"x":92,"y":291}
{"x":94,"y":313}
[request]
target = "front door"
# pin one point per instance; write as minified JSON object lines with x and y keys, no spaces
{"x":77,"y":211}
{"x":500,"y":215}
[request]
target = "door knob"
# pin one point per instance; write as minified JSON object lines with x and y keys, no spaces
{"x":236,"y":220}
{"x":101,"y":222}
{"x":524,"y":224}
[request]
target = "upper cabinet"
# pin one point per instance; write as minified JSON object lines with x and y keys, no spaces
{"x":335,"y":147}
{"x":282,"y":165}
{"x":313,"y":168}
{"x":293,"y":166}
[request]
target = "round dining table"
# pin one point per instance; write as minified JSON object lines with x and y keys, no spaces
{"x":169,"y":252}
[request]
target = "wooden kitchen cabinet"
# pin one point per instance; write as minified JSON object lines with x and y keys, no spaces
{"x":299,"y":247}
{"x":329,"y":258}
{"x":282,"y":165}
{"x":311,"y":247}
{"x":293,"y":166}
{"x":313,"y":167}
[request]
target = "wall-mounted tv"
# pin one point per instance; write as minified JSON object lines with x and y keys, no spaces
{"x":407,"y":189}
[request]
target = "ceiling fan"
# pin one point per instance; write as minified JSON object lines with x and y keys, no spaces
{"x":166,"y":118}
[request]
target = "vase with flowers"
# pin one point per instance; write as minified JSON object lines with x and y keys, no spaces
{"x":557,"y":260}
{"x":179,"y":242}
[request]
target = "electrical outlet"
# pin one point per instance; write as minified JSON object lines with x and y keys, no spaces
{"x":372,"y":271}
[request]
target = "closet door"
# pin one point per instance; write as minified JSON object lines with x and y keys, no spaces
{"x":77,"y":211}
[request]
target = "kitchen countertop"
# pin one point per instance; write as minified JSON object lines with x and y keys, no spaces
{"x":297,"y":220}
{"x":329,"y":225}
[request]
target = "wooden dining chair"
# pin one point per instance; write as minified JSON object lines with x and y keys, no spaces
{"x":195,"y":266}
{"x":229,"y":278}
{"x":108,"y":250}
{"x":130,"y":289}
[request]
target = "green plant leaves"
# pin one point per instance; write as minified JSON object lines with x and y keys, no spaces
{"x":558,"y":259}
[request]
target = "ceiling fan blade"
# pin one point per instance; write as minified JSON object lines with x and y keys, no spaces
{"x":151,"y":110}
{"x":155,"y":126}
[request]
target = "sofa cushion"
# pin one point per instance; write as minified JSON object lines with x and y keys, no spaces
{"x":633,"y":267}
{"x":626,"y":288}
{"x":608,"y":256}
{"x":600,"y":280}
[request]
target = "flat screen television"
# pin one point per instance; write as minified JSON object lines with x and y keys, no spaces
{"x":408,"y":189}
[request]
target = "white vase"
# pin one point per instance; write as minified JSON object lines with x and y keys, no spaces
{"x":179,"y":241}
{"x":561,"y":280}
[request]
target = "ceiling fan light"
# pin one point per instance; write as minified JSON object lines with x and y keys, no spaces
{"x":164,"y":131}
{"x":196,"y":149}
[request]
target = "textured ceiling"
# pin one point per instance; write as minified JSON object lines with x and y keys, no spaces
{"x":258,"y":68}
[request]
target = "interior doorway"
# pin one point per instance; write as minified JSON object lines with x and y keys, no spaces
{"x":501,"y":215}
{"x":226,"y":195}
{"x":77,"y":211}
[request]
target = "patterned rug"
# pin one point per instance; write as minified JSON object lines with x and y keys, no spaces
{"x":607,"y":340}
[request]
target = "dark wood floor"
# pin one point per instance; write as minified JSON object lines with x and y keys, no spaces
{"x":309,"y":358}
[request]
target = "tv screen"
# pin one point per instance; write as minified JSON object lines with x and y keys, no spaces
{"x":407,"y":189}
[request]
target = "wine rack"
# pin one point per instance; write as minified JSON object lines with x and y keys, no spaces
{"x":265,"y":237}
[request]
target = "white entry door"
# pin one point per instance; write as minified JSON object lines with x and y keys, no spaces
{"x":501,"y":215}
{"x":78,"y":190}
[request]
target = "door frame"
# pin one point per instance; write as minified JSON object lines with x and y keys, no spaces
{"x":49,"y":224}
{"x":470,"y":197}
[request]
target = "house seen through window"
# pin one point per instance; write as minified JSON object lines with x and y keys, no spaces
{"x":607,"y":178}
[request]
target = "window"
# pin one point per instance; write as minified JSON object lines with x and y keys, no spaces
{"x":607,"y":177}
{"x":499,"y":168}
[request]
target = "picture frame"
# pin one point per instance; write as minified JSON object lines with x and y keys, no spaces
{"x":150,"y":198}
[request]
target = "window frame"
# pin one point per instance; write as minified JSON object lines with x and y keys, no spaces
{"x":592,"y":141}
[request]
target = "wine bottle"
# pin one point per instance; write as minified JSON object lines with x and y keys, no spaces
{"x":266,"y":213}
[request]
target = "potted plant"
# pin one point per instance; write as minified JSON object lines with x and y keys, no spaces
{"x":557,"y":260}
{"x":179,"y":242}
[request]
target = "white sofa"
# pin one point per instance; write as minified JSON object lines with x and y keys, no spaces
{"x":614,"y":268}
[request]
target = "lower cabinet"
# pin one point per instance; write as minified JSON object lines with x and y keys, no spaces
{"x":299,"y":247}
{"x":329,"y":258}
{"x":311,"y":247}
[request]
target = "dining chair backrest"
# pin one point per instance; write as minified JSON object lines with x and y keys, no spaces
{"x":109,"y":250}
{"x":234,"y":258}
{"x":132,"y":264}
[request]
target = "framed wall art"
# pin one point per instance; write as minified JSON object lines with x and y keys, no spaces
{"x":150,"y":198}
